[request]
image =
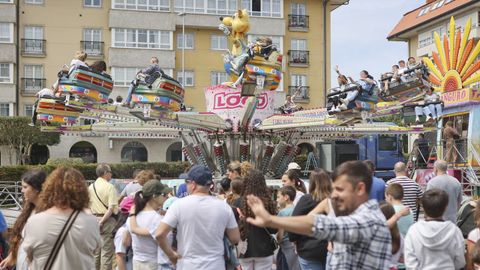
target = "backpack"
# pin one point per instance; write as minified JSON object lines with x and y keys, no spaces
{"x":466,"y":218}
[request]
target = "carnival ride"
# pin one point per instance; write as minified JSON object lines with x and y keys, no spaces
{"x":271,"y":144}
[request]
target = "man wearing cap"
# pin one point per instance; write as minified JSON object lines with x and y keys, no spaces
{"x":202,"y":221}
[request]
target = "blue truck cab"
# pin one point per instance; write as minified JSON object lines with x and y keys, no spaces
{"x":384,"y":150}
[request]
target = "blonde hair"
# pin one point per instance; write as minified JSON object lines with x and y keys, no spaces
{"x":144,"y":176}
{"x":81,"y":55}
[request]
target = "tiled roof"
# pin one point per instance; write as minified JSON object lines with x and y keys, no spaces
{"x":427,"y":13}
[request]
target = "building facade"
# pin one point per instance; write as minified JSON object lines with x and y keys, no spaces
{"x":38,"y":37}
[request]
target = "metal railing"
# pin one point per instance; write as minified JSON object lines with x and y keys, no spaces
{"x":92,"y":48}
{"x":298,"y":21}
{"x":30,"y":86}
{"x":304,"y":94}
{"x":11,"y":195}
{"x":33,"y":46}
{"x":298,"y":57}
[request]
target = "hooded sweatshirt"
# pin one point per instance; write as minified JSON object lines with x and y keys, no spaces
{"x":434,"y":245}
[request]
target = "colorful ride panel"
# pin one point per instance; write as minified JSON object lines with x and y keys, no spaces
{"x":86,"y":84}
{"x":165,"y":94}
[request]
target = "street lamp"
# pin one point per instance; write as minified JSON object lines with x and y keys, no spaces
{"x":182,"y":14}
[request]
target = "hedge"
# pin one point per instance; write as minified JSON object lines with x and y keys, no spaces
{"x":120,"y":171}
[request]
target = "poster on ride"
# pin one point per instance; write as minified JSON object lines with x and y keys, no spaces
{"x":474,"y":137}
{"x":227,"y":103}
{"x":425,"y":175}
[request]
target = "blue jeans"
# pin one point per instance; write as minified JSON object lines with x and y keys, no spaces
{"x":310,"y":265}
{"x":132,"y":87}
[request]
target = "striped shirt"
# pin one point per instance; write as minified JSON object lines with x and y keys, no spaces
{"x":411,"y":192}
{"x":361,"y":240}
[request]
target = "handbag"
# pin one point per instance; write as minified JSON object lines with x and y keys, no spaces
{"x":273,"y":241}
{"x":115,"y":216}
{"x":61,"y":238}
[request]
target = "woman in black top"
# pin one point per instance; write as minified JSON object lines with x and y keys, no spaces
{"x":260,"y":243}
{"x":311,"y":251}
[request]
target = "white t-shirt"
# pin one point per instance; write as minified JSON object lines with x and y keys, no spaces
{"x":45,"y":92}
{"x":117,"y":241}
{"x":201,"y":222}
{"x":145,"y":247}
{"x":474,"y":235}
{"x":298,"y":195}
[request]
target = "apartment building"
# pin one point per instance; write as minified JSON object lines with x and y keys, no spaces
{"x":127,"y":33}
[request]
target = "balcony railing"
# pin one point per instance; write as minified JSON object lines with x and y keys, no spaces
{"x":302,"y":93}
{"x":33,"y":46}
{"x":92,"y":48}
{"x":30,"y":86}
{"x":299,"y":58}
{"x":298,"y":21}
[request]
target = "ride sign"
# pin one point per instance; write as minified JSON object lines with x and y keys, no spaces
{"x":460,"y":97}
{"x":227,"y":103}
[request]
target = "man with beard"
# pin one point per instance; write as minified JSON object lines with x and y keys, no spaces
{"x":360,"y":236}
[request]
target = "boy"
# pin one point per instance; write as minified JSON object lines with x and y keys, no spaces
{"x":434,"y":243}
{"x":285,"y":197}
{"x":394,"y":196}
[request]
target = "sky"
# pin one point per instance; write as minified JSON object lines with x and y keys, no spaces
{"x":359,"y":36}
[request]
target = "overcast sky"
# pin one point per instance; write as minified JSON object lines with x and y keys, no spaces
{"x":359,"y":36}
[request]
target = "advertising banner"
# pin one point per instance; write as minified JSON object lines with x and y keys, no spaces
{"x":227,"y":103}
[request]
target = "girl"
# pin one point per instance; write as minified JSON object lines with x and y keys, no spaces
{"x":142,"y":225}
{"x":32,"y":182}
{"x":292,"y":178}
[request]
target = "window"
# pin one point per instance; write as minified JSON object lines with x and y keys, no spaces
{"x":92,"y":41}
{"x":298,"y":80}
{"x":142,"y":38}
{"x":6,"y":32}
{"x":4,"y":109}
{"x":387,"y":143}
{"x":218,"y":42}
{"x":189,"y":78}
{"x":36,"y":2}
{"x":263,"y":8}
{"x":33,"y":78}
{"x":189,"y":41}
{"x":123,"y":76}
{"x":217,"y":78}
{"x":92,"y":3}
{"x":276,"y":40}
{"x":206,"y":6}
{"x":6,"y":73}
{"x":144,"y":5}
{"x":297,"y":9}
{"x":6,"y":1}
{"x":298,"y":44}
{"x":28,"y":110}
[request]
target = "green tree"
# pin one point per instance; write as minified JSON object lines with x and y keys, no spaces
{"x":19,"y":137}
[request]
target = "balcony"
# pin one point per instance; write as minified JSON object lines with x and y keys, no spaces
{"x":303,"y":96}
{"x":298,"y":22}
{"x":298,"y":58}
{"x":33,"y":47}
{"x":30,"y":86}
{"x":92,"y":48}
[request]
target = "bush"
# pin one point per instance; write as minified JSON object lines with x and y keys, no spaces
{"x":64,"y":161}
{"x":120,"y":171}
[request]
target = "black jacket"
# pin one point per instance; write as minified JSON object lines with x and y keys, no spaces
{"x":308,"y":248}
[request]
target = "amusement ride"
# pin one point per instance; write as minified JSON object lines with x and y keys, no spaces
{"x":255,"y":68}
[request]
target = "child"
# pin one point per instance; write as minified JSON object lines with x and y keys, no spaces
{"x":473,"y":239}
{"x":434,"y":243}
{"x":285,"y":197}
{"x":397,"y":239}
{"x":78,"y":60}
{"x":394,"y":196}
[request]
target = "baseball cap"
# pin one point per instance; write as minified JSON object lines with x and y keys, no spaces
{"x":200,"y":175}
{"x":152,"y":187}
{"x":182,"y":191}
{"x":293,"y":166}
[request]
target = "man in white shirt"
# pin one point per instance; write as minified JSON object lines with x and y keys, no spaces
{"x":202,"y":221}
{"x":44,"y":93}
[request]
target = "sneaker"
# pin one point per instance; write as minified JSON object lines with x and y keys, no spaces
{"x":429,"y":119}
{"x":417,"y":120}
{"x":342,"y":107}
{"x":31,"y":124}
{"x":344,"y":101}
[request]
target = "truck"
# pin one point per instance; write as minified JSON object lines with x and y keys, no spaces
{"x":384,"y":150}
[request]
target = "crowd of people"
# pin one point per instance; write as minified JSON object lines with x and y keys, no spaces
{"x":345,"y":219}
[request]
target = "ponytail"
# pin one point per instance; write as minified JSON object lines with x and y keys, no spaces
{"x":294,"y":175}
{"x":140,"y":202}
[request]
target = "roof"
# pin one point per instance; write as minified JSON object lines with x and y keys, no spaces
{"x":427,"y":13}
